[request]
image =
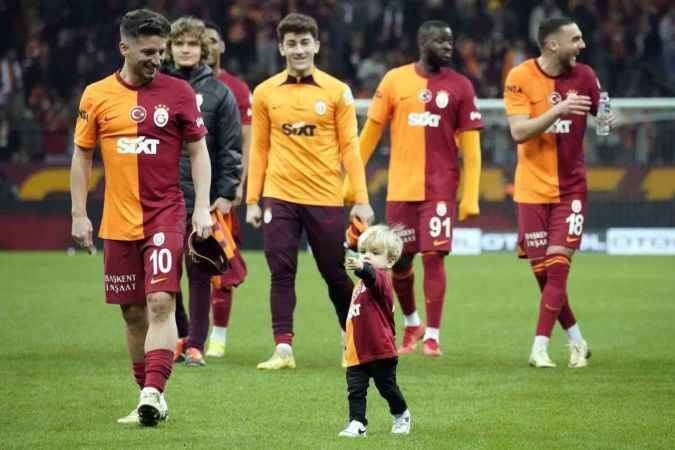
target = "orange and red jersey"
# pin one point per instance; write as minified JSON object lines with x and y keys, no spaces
{"x":551,"y":165}
{"x":304,"y":132}
{"x":140,"y":131}
{"x":369,"y":333}
{"x":242,"y":95}
{"x":426,"y":113}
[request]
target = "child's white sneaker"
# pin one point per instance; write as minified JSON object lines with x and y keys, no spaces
{"x":355,"y":429}
{"x":401,"y":423}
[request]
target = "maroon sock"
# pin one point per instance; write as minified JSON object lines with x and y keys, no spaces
{"x":539,"y":271}
{"x":404,"y":286}
{"x":566,"y":317}
{"x":434,"y":287}
{"x":221,"y":305}
{"x":284,"y":338}
{"x":554,"y":294}
{"x":158,"y":368}
{"x":139,"y":373}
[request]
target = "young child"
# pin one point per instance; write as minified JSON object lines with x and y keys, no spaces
{"x":370,"y":346}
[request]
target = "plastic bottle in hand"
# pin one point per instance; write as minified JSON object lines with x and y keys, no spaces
{"x":601,"y":123}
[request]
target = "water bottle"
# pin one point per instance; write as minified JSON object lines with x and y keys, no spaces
{"x":601,"y":123}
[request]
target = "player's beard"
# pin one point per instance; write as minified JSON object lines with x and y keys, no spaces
{"x":437,"y":61}
{"x":566,"y":61}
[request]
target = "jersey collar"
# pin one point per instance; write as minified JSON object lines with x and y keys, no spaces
{"x":309,"y":79}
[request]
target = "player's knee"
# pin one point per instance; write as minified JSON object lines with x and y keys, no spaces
{"x":160,"y":306}
{"x":559,"y":250}
{"x":134,"y":316}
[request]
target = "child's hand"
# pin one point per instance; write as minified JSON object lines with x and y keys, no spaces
{"x":353,"y":263}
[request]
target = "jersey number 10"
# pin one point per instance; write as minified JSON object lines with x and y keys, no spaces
{"x":161,"y":260}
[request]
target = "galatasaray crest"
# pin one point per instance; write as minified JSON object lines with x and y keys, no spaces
{"x":442,"y":99}
{"x":161,"y":115}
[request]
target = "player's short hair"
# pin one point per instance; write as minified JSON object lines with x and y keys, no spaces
{"x":384,"y":237}
{"x":143,"y":22}
{"x":426,"y":28}
{"x":550,"y":26}
{"x":211,"y":25}
{"x":188,"y":25}
{"x":297,"y":23}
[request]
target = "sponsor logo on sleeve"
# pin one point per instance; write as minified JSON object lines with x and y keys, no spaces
{"x":513,"y":89}
{"x":200,"y":100}
{"x":348,"y":97}
{"x":137,"y":114}
{"x":84,"y":115}
{"x":475,"y":115}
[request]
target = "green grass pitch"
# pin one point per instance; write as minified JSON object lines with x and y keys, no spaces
{"x":65,"y":376}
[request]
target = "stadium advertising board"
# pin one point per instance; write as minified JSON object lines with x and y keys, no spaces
{"x":616,"y":241}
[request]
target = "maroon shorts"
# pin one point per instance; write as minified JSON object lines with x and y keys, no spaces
{"x":427,"y":225}
{"x":546,"y":224}
{"x":133,"y":269}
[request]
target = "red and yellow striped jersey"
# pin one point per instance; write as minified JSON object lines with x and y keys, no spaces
{"x":551,"y":165}
{"x":304,"y":132}
{"x":140,"y":131}
{"x":369,"y":333}
{"x":426,"y":112}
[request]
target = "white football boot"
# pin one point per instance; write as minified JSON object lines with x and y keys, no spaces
{"x":133,"y":417}
{"x":579,"y":354}
{"x":540,"y":359}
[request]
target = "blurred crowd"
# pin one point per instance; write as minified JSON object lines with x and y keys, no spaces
{"x":51,"y":49}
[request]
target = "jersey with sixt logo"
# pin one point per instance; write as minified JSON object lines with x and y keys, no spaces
{"x":298,"y":129}
{"x":426,"y":113}
{"x":140,"y":131}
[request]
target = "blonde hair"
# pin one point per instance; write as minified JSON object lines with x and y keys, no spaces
{"x":188,"y":25}
{"x":385,"y":237}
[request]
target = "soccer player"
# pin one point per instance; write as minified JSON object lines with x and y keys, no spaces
{"x":304,"y":133}
{"x":221,"y":300}
{"x":140,"y":118}
{"x":432,"y":108}
{"x":370,"y":345}
{"x":188,"y":51}
{"x":547,"y":101}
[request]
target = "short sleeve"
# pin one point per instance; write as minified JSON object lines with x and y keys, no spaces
{"x":189,"y":117}
{"x":381,"y":106}
{"x":86,"y":128}
{"x":515,"y":97}
{"x":468,"y":114}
